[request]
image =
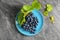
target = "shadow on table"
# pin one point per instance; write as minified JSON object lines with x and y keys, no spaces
{"x":10,"y":11}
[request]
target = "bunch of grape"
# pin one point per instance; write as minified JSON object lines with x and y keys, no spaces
{"x":30,"y":24}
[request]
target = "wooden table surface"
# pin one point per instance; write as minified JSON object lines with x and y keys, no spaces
{"x":8,"y":11}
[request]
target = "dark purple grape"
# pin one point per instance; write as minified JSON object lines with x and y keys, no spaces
{"x":32,"y":31}
{"x":26,"y":29}
{"x":29,"y":20}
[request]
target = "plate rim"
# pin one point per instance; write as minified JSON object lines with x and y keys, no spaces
{"x":32,"y":34}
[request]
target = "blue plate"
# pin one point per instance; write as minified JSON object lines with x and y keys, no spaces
{"x":39,"y":16}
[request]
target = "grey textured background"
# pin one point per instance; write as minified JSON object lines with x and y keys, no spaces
{"x":8,"y":11}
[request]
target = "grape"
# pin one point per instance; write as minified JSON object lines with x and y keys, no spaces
{"x":32,"y":31}
{"x":30,"y":24}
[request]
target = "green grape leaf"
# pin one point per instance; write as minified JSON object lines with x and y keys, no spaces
{"x":25,"y":10}
{"x":25,"y":14}
{"x":26,"y":7}
{"x":36,"y":5}
{"x":45,"y":13}
{"x":20,"y":17}
{"x":49,"y":7}
{"x":23,"y":21}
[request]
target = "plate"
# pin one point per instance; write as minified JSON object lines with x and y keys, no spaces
{"x":39,"y":16}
